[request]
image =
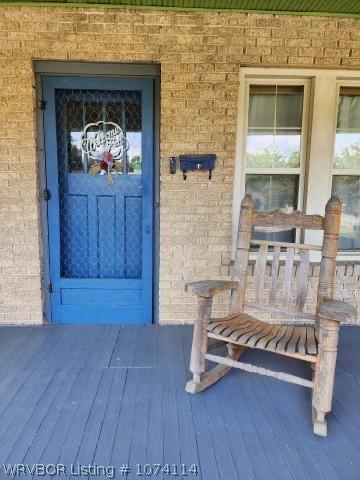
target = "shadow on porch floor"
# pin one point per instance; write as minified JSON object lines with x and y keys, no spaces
{"x":114,"y":395}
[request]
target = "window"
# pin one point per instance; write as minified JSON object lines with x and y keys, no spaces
{"x":298,"y":142}
{"x":274,"y":147}
{"x":346,"y":164}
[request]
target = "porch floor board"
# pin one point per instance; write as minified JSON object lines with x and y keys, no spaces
{"x":114,"y":395}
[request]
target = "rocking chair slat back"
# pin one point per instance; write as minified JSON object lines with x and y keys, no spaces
{"x":287,"y":280}
{"x":274,"y":275}
{"x":302,"y":280}
{"x":276,"y":289}
{"x":260,"y":270}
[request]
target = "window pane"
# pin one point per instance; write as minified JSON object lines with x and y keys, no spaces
{"x":275,"y":118}
{"x":347,"y":150}
{"x":271,"y":192}
{"x":349,"y":109}
{"x":261,"y":108}
{"x":347,"y":188}
{"x":128,"y":116}
{"x":74,"y":126}
{"x":289,"y":107}
{"x":266,"y":150}
{"x":133,"y":128}
{"x":347,"y":141}
{"x":275,"y":106}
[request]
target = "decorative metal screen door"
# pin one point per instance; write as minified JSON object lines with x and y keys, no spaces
{"x":99,"y":169}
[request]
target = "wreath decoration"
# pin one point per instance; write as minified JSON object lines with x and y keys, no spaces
{"x":105,"y":144}
{"x":107,"y":165}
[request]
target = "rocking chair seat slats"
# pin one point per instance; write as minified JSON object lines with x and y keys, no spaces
{"x":247,"y":331}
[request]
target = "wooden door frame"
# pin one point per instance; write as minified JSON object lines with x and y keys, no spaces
{"x":78,"y":69}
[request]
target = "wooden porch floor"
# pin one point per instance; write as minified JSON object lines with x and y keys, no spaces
{"x":109,"y":395}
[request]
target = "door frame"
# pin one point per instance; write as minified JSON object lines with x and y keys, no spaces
{"x":126,"y":71}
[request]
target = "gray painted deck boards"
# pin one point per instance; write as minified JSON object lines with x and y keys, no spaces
{"x":109,"y":395}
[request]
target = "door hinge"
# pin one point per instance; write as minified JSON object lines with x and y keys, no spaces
{"x":42,"y":104}
{"x":46,"y":194}
{"x":50,"y":288}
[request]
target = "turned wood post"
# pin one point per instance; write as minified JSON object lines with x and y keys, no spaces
{"x":330,"y":244}
{"x":200,"y":338}
{"x":242,"y":255}
{"x":325,"y":365}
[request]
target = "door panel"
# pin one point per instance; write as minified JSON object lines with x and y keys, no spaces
{"x":99,"y":163}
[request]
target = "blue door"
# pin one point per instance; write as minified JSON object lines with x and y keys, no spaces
{"x":99,"y":168}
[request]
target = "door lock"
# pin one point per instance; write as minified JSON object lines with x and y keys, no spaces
{"x":46,"y":195}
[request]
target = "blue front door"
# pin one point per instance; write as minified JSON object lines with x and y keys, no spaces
{"x":99,"y":168}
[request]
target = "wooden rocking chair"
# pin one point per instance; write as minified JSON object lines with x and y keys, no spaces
{"x":315,"y":343}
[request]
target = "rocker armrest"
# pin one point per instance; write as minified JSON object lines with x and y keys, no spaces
{"x":209,"y":288}
{"x":336,"y":310}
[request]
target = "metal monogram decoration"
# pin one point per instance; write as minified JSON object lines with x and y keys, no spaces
{"x":105,"y":143}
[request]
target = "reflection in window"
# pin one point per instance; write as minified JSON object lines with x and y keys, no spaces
{"x":265,"y":150}
{"x":120,"y":107}
{"x":74,"y":125}
{"x":347,"y":141}
{"x":274,"y":126}
{"x":347,"y":188}
{"x":134,"y":152}
{"x":274,"y":140}
{"x":346,"y":180}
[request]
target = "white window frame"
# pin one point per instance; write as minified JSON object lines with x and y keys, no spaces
{"x":321,"y":93}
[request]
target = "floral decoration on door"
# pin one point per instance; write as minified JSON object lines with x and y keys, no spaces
{"x":105,"y":144}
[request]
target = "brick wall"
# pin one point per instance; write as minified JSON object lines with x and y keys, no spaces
{"x":200,"y":54}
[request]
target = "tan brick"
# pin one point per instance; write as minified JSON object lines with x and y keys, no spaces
{"x":274,"y":59}
{"x":329,"y":61}
{"x":337,"y":52}
{"x":200,"y":54}
{"x":297,"y":60}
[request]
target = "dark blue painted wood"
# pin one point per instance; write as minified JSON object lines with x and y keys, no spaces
{"x":140,"y":434}
{"x":85,"y":453}
{"x":209,"y":467}
{"x":237,"y":441}
{"x":65,"y":420}
{"x":18,"y":443}
{"x":125,"y":347}
{"x":127,"y":413}
{"x":104,"y":448}
{"x":26,"y":401}
{"x":48,"y":424}
{"x":170,"y":418}
{"x":187,"y":438}
{"x":12,"y":388}
{"x":269,"y":441}
{"x":99,"y":394}
{"x":255,"y":449}
{"x":109,"y":226}
{"x":155,"y":446}
{"x":288,"y":445}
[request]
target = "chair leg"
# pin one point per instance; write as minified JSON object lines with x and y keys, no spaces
{"x":202,"y":380}
{"x":210,"y":377}
{"x":324,"y":374}
{"x":199,"y":343}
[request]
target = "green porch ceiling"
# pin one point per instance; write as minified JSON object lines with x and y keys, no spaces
{"x":349,"y":8}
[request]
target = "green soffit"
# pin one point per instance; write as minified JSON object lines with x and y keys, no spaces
{"x":346,"y":8}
